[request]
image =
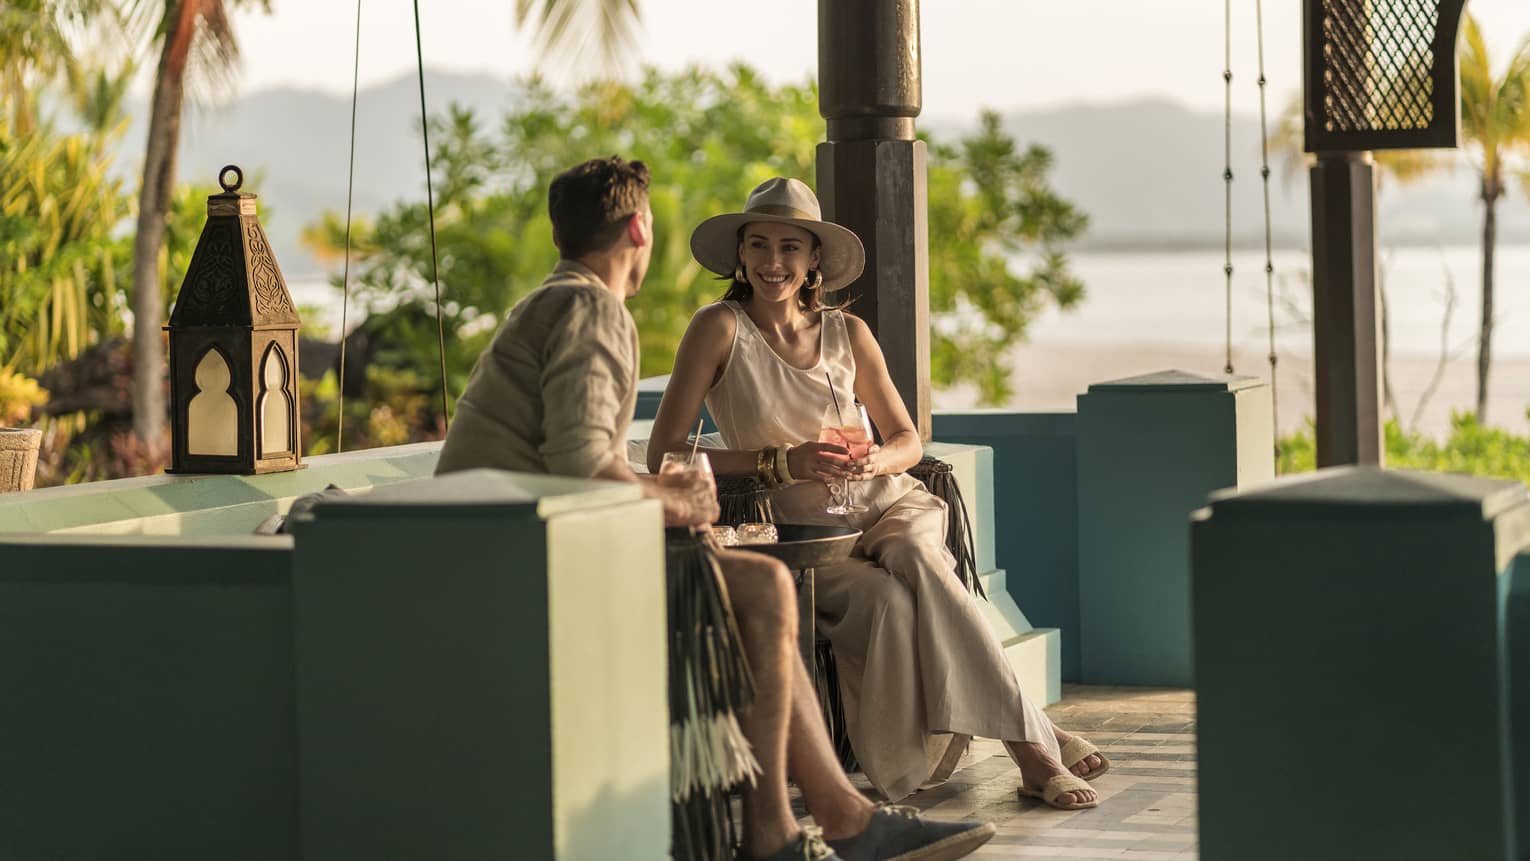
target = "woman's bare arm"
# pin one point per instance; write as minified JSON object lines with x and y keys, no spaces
{"x":900,"y":447}
{"x":698,"y":363}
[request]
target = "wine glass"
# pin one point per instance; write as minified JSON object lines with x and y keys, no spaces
{"x":851,"y":429}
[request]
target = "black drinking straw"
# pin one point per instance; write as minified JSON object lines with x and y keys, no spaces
{"x":837,"y":410}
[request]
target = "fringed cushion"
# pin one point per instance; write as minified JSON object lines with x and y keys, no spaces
{"x":938,"y":479}
{"x":709,"y":685}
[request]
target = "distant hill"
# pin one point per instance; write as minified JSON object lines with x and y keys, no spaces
{"x":1148,"y":173}
{"x":294,"y":147}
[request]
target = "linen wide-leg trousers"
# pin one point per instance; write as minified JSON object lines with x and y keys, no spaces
{"x":920,"y":670}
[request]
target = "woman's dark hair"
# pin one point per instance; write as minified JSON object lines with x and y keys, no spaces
{"x":810,"y":298}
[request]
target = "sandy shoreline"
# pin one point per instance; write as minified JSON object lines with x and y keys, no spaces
{"x":1049,"y":374}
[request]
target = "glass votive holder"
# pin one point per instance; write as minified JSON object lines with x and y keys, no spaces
{"x":756,"y":533}
{"x":725,"y":536}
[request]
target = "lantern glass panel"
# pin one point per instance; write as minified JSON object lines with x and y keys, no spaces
{"x":275,"y":405}
{"x":212,"y":417}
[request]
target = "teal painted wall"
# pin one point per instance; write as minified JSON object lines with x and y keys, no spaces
{"x":1035,"y":511}
{"x":651,"y":391}
{"x":148,"y":700}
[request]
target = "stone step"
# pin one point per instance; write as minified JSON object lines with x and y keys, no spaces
{"x":1036,"y":658}
{"x":1035,"y":654}
{"x":1003,"y":614}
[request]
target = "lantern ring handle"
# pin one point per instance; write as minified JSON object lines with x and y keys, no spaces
{"x":238,"y":178}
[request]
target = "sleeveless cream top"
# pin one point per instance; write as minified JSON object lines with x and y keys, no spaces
{"x":761,"y":400}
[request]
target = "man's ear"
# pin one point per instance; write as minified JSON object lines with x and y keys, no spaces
{"x":637,"y":230}
{"x":557,"y":243}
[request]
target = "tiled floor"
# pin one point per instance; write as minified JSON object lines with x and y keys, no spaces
{"x":1147,"y":807}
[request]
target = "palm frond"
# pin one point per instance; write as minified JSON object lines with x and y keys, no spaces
{"x":582,"y":39}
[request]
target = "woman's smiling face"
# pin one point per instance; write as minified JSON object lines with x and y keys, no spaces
{"x":777,"y":258}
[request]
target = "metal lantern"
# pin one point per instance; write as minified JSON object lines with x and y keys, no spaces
{"x":233,"y":348}
{"x":1381,"y":74}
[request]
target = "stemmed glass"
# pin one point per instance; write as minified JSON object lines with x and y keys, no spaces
{"x":853,"y":431}
{"x":684,"y":461}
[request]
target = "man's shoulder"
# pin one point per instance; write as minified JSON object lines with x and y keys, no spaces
{"x":559,"y":294}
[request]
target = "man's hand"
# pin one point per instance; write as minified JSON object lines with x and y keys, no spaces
{"x":689,"y":498}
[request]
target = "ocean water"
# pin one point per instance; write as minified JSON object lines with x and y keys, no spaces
{"x":1180,"y":298}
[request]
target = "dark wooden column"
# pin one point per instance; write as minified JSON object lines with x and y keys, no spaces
{"x":1345,"y":322}
{"x":871,"y":176}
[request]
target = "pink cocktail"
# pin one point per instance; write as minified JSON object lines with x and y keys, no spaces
{"x":856,"y":439}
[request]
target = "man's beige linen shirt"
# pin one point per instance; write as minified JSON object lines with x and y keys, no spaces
{"x":555,"y":391}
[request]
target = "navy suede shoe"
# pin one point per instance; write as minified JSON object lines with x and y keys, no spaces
{"x":897,"y":833}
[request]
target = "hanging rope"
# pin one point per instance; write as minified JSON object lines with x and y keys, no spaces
{"x":1227,"y":174}
{"x":430,"y":202}
{"x":345,"y":279}
{"x":1269,"y":259}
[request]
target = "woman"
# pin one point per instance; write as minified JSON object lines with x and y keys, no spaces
{"x":920,"y":670}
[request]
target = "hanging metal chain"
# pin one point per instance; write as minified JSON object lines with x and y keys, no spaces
{"x":1227,"y":173}
{"x":430,"y":202}
{"x":345,"y":279}
{"x":1269,"y":259}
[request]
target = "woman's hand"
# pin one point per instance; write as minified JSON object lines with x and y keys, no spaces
{"x":818,"y":461}
{"x":867,"y":467}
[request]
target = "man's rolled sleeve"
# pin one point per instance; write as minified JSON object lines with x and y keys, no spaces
{"x":588,"y":369}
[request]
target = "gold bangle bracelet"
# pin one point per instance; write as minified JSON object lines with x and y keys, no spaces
{"x":783,"y":469}
{"x":764,"y":466}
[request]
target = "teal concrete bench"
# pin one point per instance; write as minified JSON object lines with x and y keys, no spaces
{"x":148,"y":659}
{"x":148,"y":665}
{"x":148,"y":698}
{"x":203,"y":505}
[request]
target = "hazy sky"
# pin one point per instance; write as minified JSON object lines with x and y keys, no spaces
{"x":993,"y":53}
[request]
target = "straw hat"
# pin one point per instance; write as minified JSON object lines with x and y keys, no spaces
{"x":841,"y":257}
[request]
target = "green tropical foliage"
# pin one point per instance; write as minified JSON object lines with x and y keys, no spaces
{"x":60,"y":252}
{"x":1495,"y":120}
{"x":1470,"y":447}
{"x":709,"y":138}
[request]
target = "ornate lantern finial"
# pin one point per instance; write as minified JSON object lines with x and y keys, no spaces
{"x":233,"y":348}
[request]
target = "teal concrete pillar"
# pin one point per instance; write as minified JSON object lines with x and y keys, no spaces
{"x":1150,"y":449}
{"x":1351,"y":674}
{"x":481,"y":672}
{"x":1518,"y":627}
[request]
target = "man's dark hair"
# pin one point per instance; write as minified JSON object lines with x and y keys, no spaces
{"x":590,"y":203}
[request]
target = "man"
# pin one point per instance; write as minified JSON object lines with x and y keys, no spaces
{"x":555,"y":393}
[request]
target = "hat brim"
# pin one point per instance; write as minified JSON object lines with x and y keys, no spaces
{"x":841,"y":256}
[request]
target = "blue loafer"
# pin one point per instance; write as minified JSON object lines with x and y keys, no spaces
{"x":899,"y":833}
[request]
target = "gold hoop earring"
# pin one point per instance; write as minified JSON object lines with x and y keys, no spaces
{"x":739,"y":274}
{"x":817,"y":280}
